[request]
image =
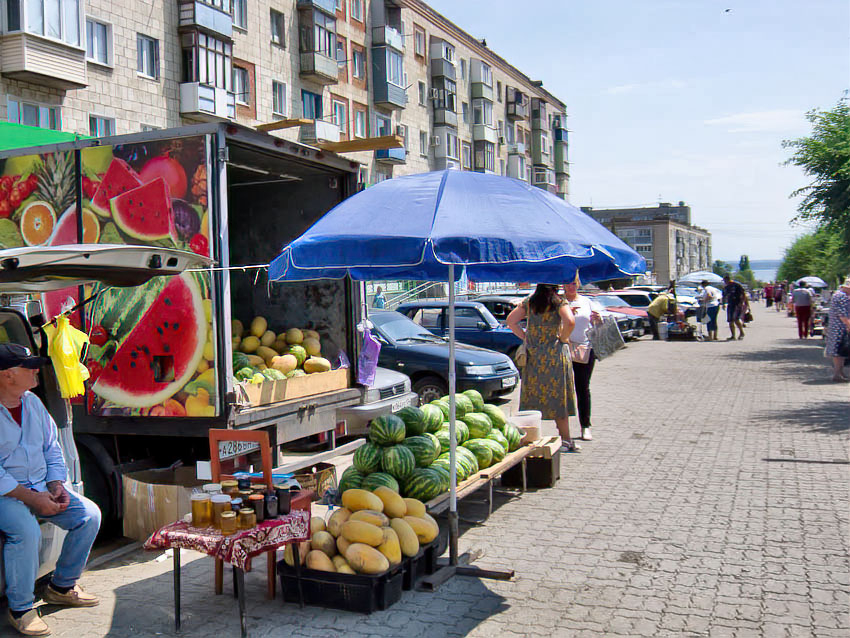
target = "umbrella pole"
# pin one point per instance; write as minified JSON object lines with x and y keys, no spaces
{"x":453,"y":522}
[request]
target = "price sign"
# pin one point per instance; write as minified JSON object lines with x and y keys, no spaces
{"x":231,"y":449}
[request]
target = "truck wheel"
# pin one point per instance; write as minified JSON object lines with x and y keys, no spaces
{"x":430,"y":388}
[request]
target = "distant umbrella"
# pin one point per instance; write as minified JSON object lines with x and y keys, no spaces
{"x":814,"y":282}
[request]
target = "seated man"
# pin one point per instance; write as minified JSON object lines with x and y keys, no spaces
{"x":32,"y":476}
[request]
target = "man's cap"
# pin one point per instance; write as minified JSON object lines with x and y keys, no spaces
{"x":13,"y":355}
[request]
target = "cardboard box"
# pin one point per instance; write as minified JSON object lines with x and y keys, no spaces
{"x":154,"y":498}
{"x":254,"y":394}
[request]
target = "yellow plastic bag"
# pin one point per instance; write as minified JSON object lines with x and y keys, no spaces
{"x":65,"y":344}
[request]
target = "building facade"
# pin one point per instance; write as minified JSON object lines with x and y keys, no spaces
{"x":663,"y":235}
{"x":350,"y":69}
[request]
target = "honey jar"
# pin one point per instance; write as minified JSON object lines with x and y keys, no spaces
{"x":220,"y":504}
{"x":243,"y":483}
{"x":201,"y":510}
{"x":236,"y":504}
{"x":258,"y":504}
{"x":247,"y":518}
{"x":228,"y":523}
{"x":212,"y":488}
{"x":228,"y":487}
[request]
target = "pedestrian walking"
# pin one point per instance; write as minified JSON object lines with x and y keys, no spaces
{"x":32,"y":484}
{"x":581,"y":352}
{"x":737,"y":305}
{"x":658,"y":308}
{"x":547,"y":378}
{"x":802,"y":299}
{"x":778,"y":296}
{"x":710,"y":299}
{"x":838,"y":335}
{"x":768,"y":295}
{"x":380,"y":301}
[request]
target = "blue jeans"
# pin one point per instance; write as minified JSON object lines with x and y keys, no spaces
{"x":712,"y":318}
{"x":23,"y":537}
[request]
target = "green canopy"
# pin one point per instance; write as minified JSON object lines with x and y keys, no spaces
{"x":20,"y":136}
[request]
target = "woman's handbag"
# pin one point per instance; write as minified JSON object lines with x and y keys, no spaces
{"x":521,"y":356}
{"x":748,"y":317}
{"x":843,"y":349}
{"x":605,"y":338}
{"x":580,"y":352}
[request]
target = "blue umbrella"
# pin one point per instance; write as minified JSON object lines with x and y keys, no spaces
{"x":423,"y":226}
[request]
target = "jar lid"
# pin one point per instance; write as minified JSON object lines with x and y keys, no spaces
{"x":228,"y":514}
{"x":246,"y":513}
{"x":229,"y":483}
{"x":256,"y":497}
{"x":200,"y":496}
{"x":220,"y":498}
{"x":236,"y":501}
{"x":212,"y":488}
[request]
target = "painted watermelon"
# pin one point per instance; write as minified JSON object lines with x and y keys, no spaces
{"x":398,"y":460}
{"x":463,"y":405}
{"x":118,"y":179}
{"x":387,"y":429}
{"x":423,"y":484}
{"x":145,"y":212}
{"x":496,"y":435}
{"x":423,"y":448}
{"x":161,"y":353}
{"x":414,"y":420}
{"x":350,"y":479}
{"x":377,"y":479}
{"x":479,"y":425}
{"x":482,"y":451}
{"x":495,"y":414}
{"x":433,"y":417}
{"x":367,"y":458}
{"x":497,"y":448}
{"x":513,"y":435}
{"x":476,"y":398}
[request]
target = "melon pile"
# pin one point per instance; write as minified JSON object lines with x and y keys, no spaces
{"x":260,"y":354}
{"x":370,"y":534}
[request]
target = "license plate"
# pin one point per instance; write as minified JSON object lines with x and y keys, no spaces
{"x":231,"y":449}
{"x":401,"y":403}
{"x":509,"y":382}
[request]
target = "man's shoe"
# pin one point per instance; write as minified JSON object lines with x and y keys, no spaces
{"x":30,"y":624}
{"x":74,"y":597}
{"x":586,"y":435}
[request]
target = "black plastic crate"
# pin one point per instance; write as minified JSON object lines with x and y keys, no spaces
{"x":432,"y":552}
{"x":539,"y":472}
{"x":349,"y":592}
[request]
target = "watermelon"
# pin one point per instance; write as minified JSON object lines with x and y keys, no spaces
{"x":118,"y":179}
{"x":499,"y":451}
{"x":161,"y":353}
{"x":367,"y":458}
{"x":414,"y":420}
{"x":240,"y":360}
{"x":482,"y":451}
{"x":501,"y":439}
{"x":423,"y":448}
{"x":387,"y":429}
{"x":461,"y":431}
{"x":145,"y":212}
{"x":469,"y":458}
{"x":445,"y":477}
{"x":434,"y":441}
{"x":495,"y":414}
{"x":398,"y":460}
{"x":377,"y":479}
{"x":513,"y":436}
{"x":443,"y":405}
{"x":476,"y":398}
{"x":479,"y":425}
{"x":351,"y":478}
{"x":444,"y":440}
{"x":423,"y":484}
{"x":433,"y":418}
{"x":463,"y":405}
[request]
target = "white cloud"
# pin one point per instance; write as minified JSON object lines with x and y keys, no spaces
{"x":775,"y":121}
{"x":658,"y":85}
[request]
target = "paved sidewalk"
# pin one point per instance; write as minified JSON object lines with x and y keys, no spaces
{"x":713,"y":501}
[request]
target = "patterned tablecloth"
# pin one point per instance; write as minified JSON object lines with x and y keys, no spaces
{"x":240,"y":548}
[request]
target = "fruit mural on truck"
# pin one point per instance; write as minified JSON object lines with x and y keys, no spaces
{"x":153,"y":350}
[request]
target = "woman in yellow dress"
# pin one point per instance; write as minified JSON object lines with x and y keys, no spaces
{"x":547,"y":378}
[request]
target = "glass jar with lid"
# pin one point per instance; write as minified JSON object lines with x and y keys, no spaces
{"x":212,"y":488}
{"x":201,"y":509}
{"x":229,"y":486}
{"x":220,"y":504}
{"x":229,"y":523}
{"x":258,"y":504}
{"x":247,"y":518}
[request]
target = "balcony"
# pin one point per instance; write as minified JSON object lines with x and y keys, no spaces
{"x":539,"y":148}
{"x":517,"y":148}
{"x":389,"y":37}
{"x":516,"y":105}
{"x":43,"y":62}
{"x":440,"y":67}
{"x":319,"y":131}
{"x":328,"y":6}
{"x":562,"y":163}
{"x":544,"y":178}
{"x":479,"y":89}
{"x":539,"y":118}
{"x":204,"y":102}
{"x":484,"y":133}
{"x":561,"y":134}
{"x":206,"y":17}
{"x":444,"y":117}
{"x":319,"y":68}
{"x":517,"y":167}
{"x":391,"y":156}
{"x":385,"y":93}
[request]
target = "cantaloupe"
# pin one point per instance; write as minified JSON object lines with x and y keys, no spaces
{"x":311,"y":334}
{"x":370,"y":516}
{"x":259,"y":326}
{"x":394,"y":505}
{"x":334,"y":524}
{"x":324,"y":542}
{"x":312,"y":346}
{"x":407,"y":538}
{"x":285,"y":363}
{"x":415,"y":507}
{"x":303,"y":549}
{"x":294,"y":336}
{"x":342,"y":565}
{"x":317,"y":524}
{"x":342,"y":544}
{"x":249,"y":344}
{"x":356,"y":499}
{"x":360,"y":532}
{"x":267,"y":354}
{"x":317,"y":364}
{"x":317,"y":559}
{"x":236,"y":328}
{"x":256,"y":361}
{"x":390,"y":547}
{"x":365,"y":559}
{"x":268,"y":339}
{"x":426,"y":531}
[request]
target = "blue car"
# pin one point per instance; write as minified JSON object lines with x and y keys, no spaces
{"x":474,"y":324}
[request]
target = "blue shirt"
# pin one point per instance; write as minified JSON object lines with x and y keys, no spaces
{"x":29,"y":453}
{"x":380,"y":301}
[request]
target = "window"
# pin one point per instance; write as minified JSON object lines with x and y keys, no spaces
{"x":318,"y":33}
{"x":360,"y":123}
{"x":462,"y":69}
{"x":446,"y":94}
{"x":467,"y":318}
{"x":341,"y":57}
{"x":452,"y":145}
{"x":147,"y":62}
{"x":98,"y":42}
{"x":101,"y":126}
{"x":311,"y":105}
{"x":395,"y":68}
{"x":498,"y":91}
{"x":340,"y":117}
{"x":465,"y":110}
{"x":502,"y":167}
{"x":500,"y":126}
{"x":485,"y":156}
{"x":428,"y":317}
{"x":482,"y":112}
{"x":33,"y":114}
{"x":643,"y":248}
{"x":510,"y":135}
{"x":383,"y":125}
{"x":486,"y":74}
{"x":357,"y":10}
{"x":645,"y":232}
{"x":423,"y":143}
{"x":277,"y":25}
{"x":241,"y":85}
{"x":402,"y":128}
{"x":146,"y":128}
{"x":418,"y":41}
{"x":466,"y":155}
{"x":207,"y":60}
{"x":240,"y":14}
{"x":278,"y":98}
{"x":56,"y":19}
{"x":544,"y":143}
{"x":358,"y":63}
{"x":423,"y":94}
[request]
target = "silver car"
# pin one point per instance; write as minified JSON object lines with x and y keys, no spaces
{"x":389,"y":393}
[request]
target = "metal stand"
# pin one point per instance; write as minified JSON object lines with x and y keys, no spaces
{"x":176,"y":553}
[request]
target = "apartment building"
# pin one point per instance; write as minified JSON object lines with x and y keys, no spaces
{"x":325,"y":71}
{"x":663,"y":235}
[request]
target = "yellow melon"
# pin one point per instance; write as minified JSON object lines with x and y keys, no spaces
{"x":365,"y":559}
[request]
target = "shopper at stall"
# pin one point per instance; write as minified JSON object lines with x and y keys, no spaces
{"x":657,"y":309}
{"x":380,"y":300}
{"x":735,"y":298}
{"x":547,"y":378}
{"x":32,"y":477}
{"x":839,"y":330}
{"x":710,"y":298}
{"x":802,"y":298}
{"x":581,"y":352}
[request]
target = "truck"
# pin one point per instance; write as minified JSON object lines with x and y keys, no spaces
{"x":161,"y":356}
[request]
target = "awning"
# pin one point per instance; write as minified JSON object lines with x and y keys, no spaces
{"x":19,"y":136}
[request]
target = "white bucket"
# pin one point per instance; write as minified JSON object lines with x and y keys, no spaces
{"x":662,"y":330}
{"x":528,"y":423}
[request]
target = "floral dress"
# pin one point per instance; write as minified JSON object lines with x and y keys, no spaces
{"x":547,"y":378}
{"x":839,"y":306}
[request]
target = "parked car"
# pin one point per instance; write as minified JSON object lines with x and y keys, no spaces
{"x":424,"y":357}
{"x":390,"y":392}
{"x":500,"y":306}
{"x":474,"y":324}
{"x":687,"y":302}
{"x":630,"y":326}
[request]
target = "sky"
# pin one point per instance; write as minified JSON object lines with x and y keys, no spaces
{"x":681,"y":100}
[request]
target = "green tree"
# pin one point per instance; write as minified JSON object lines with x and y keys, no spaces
{"x":719,"y":268}
{"x":822,"y":253}
{"x":744,"y":263}
{"x":825,"y":156}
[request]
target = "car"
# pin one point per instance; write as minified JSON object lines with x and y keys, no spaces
{"x":687,"y":302}
{"x":424,"y":357}
{"x":630,"y":326}
{"x":474,"y":324}
{"x":634,"y":298}
{"x":500,"y":306}
{"x":390,"y":392}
